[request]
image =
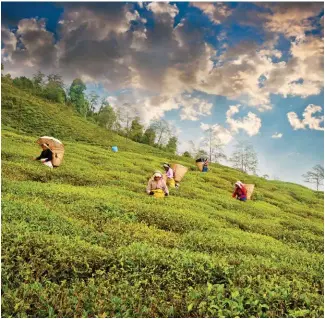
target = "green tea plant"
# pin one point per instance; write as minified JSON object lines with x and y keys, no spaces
{"x":84,"y":240}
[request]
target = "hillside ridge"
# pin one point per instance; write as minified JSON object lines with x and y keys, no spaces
{"x":84,"y":240}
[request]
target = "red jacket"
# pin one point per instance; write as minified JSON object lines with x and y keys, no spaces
{"x":240,"y":192}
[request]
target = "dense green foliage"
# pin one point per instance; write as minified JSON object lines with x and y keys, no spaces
{"x":78,"y":98}
{"x":53,"y":89}
{"x":172,"y":145}
{"x":84,"y":240}
{"x":136,"y":130}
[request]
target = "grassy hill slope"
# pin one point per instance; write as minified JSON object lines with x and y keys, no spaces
{"x":84,"y":240}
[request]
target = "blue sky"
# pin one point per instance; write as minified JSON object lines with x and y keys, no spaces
{"x":248,"y":71}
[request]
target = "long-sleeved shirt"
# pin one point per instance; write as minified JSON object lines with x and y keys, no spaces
{"x":240,"y":192}
{"x":170,"y":173}
{"x":45,"y":154}
{"x":160,"y":184}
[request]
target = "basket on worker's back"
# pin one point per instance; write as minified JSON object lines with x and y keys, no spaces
{"x":57,"y":157}
{"x":200,"y":166}
{"x":56,"y":147}
{"x":250,"y":190}
{"x":179,"y":171}
{"x":200,"y":163}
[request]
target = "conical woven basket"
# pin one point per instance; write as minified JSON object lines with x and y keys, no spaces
{"x":179,"y":170}
{"x":250,"y":190}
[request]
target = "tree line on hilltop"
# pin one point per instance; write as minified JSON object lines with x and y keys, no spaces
{"x":159,"y":133}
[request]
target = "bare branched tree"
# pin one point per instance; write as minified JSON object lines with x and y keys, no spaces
{"x":315,"y":176}
{"x":214,"y":147}
{"x":245,"y":158}
{"x":163,"y":131}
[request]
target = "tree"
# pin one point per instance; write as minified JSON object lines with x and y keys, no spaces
{"x":7,"y":78}
{"x":136,"y":130}
{"x":93,"y":101}
{"x":201,"y":153}
{"x":106,"y":116}
{"x":126,"y":113}
{"x":218,"y":154}
{"x":193,"y":147}
{"x":172,"y":145}
{"x":149,"y":136}
{"x":54,"y":89}
{"x":315,"y":176}
{"x":187,"y":154}
{"x":23,"y":83}
{"x":77,"y":96}
{"x":162,"y":130}
{"x":214,"y":146}
{"x":244,"y":158}
{"x":266,"y":176}
{"x":55,"y":79}
{"x":117,"y":127}
{"x":38,"y":80}
{"x":197,"y":152}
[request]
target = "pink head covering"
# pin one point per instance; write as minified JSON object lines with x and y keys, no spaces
{"x":239,"y":184}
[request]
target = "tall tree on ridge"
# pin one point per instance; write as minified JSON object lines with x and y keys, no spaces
{"x":315,"y":176}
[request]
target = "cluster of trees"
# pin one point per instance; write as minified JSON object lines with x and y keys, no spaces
{"x":158,"y":134}
{"x":52,"y":88}
{"x":211,"y":148}
{"x":122,"y":120}
{"x":243,"y":158}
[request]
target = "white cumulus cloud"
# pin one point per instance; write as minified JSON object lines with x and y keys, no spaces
{"x":193,"y":107}
{"x":292,"y":19}
{"x":218,"y":132}
{"x":216,"y":11}
{"x":110,"y":44}
{"x":309,"y":120}
{"x":277,"y":135}
{"x":251,"y":123}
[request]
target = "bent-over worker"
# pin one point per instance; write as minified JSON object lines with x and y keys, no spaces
{"x":240,"y":191}
{"x":170,"y":176}
{"x":46,"y":156}
{"x":155,"y":183}
{"x":205,"y":165}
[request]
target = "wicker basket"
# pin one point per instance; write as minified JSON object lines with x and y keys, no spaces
{"x":179,"y":170}
{"x":57,"y":157}
{"x":200,"y":165}
{"x":250,"y":190}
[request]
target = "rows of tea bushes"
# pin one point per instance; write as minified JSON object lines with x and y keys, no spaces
{"x":84,"y":240}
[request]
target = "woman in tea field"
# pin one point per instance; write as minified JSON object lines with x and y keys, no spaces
{"x":240,"y":191}
{"x":46,"y":156}
{"x":170,"y":175}
{"x":157,"y":185}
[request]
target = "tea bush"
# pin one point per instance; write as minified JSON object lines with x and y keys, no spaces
{"x":84,"y":240}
